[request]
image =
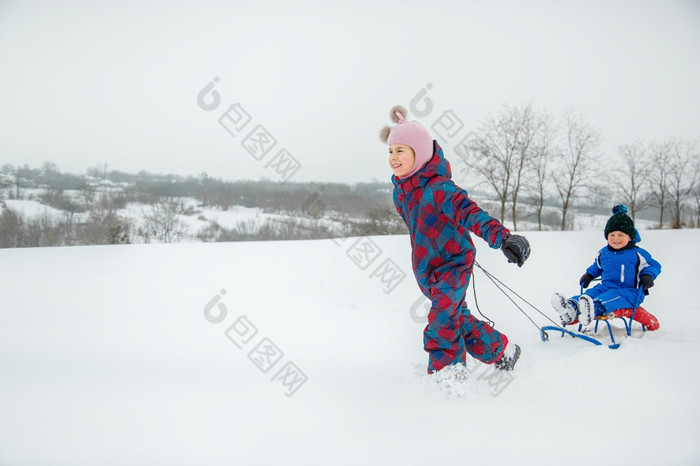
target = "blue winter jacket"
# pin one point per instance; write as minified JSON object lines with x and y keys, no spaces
{"x":623,"y":267}
{"x":620,"y":271}
{"x":439,"y":216}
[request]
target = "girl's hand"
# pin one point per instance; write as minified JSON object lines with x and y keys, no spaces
{"x":517,"y":249}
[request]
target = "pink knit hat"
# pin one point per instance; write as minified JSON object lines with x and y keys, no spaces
{"x":410,"y":133}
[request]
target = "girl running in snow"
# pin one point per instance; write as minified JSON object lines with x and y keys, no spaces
{"x":624,"y":268}
{"x":439,"y":216}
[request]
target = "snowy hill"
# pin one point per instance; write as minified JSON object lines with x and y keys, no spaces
{"x":310,"y":352}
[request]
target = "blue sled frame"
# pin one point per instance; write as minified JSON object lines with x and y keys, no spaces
{"x":614,"y":345}
{"x":604,"y":318}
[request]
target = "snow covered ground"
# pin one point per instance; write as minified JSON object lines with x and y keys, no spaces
{"x":310,"y":352}
{"x":32,"y":209}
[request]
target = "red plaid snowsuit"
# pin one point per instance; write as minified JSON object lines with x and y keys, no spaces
{"x":439,"y":216}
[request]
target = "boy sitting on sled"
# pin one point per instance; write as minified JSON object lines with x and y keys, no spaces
{"x":624,"y":268}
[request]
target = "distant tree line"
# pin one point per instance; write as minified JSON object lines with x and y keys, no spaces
{"x":144,"y":187}
{"x":91,"y":208}
{"x":525,"y":158}
{"x":525,"y":161}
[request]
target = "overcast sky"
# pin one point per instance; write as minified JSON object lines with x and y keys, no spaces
{"x":84,"y":83}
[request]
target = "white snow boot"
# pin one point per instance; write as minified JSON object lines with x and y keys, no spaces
{"x":509,"y":358}
{"x":587,"y":310}
{"x":565,"y":308}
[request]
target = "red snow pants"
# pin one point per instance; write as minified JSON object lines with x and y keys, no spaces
{"x":452,"y":330}
{"x":642,"y":316}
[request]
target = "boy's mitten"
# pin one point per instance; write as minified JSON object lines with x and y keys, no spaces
{"x":647,"y":282}
{"x":585,"y":280}
{"x":517,"y":249}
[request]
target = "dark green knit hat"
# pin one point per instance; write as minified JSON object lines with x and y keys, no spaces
{"x":620,"y":221}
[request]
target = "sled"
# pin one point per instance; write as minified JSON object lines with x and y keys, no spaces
{"x":619,"y":314}
{"x":626,"y":315}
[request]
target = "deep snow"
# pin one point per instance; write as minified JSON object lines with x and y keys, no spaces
{"x":107,"y":357}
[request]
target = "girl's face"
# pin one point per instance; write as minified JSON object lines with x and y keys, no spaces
{"x":401,"y":159}
{"x":618,"y":239}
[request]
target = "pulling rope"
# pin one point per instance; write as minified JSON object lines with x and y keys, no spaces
{"x":476,"y":303}
{"x":498,"y":284}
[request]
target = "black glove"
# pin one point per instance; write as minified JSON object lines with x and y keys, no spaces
{"x":585,"y":280}
{"x":647,"y":282}
{"x":517,"y":249}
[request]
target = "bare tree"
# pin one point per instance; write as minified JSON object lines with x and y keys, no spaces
{"x":696,"y":207}
{"x":659,"y":177}
{"x":379,"y":221}
{"x":12,"y":229}
{"x":18,"y":183}
{"x":695,"y":191}
{"x":538,"y":179}
{"x":49,"y":173}
{"x":104,"y":226}
{"x":576,"y":161}
{"x":682,"y":178}
{"x":87,"y":192}
{"x":530,"y":126}
{"x":636,"y":174}
{"x":489,"y":155}
{"x":500,"y":153}
{"x":162,"y":222}
{"x":98,"y":171}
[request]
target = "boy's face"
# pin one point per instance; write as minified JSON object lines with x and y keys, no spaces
{"x":618,"y":239}
{"x":401,"y":159}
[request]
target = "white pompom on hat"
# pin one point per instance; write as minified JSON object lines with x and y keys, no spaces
{"x":410,"y":133}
